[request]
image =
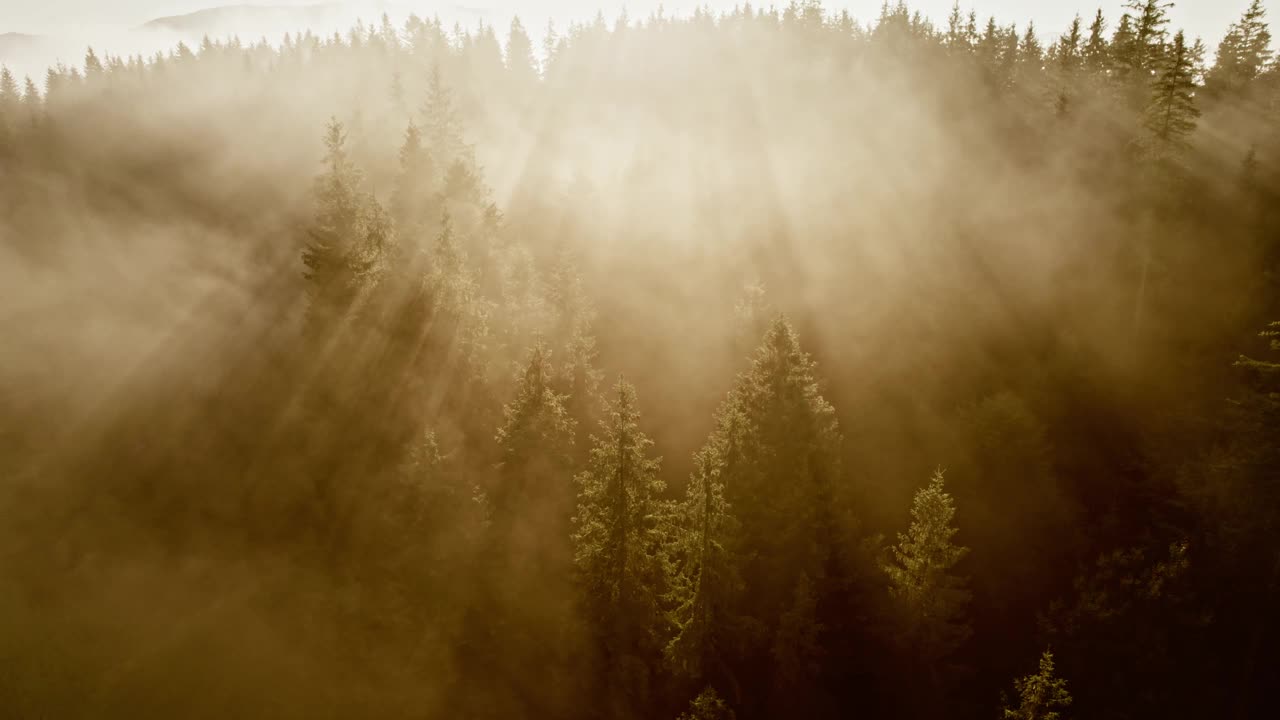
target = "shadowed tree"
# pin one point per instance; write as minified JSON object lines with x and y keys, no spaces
{"x":708,"y":706}
{"x":1243,"y":53}
{"x":616,"y":542}
{"x":1171,"y":113}
{"x":931,"y":599}
{"x":1040,"y":696}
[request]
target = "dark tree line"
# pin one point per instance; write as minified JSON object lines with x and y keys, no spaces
{"x":946,"y":336}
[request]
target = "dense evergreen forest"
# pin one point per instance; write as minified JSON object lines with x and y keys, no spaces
{"x":769,"y":364}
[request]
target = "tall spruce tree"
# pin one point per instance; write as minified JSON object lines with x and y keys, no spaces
{"x":1067,"y":64}
{"x":616,"y":542}
{"x":522,"y":66}
{"x":785,"y":473}
{"x":931,"y":598}
{"x":1243,"y":54}
{"x":1171,"y":113}
{"x":523,"y":614}
{"x":704,"y":584}
{"x":1096,"y":50}
{"x":415,"y":202}
{"x":346,"y":241}
{"x":440,"y":125}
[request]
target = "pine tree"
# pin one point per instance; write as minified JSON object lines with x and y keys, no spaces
{"x":535,"y":440}
{"x":414,"y":203}
{"x":1139,"y":50}
{"x":573,"y":317}
{"x":956,"y":39}
{"x":616,"y":540}
{"x":1068,"y":61}
{"x":704,"y":584}
{"x":9,"y":96}
{"x":523,"y":616}
{"x":1171,"y":113}
{"x":785,"y":472}
{"x":92,"y":65}
{"x":346,"y":240}
{"x":32,"y":100}
{"x":521,"y":64}
{"x":1096,"y":51}
{"x":1040,"y":696}
{"x":1030,"y":51}
{"x":616,"y":516}
{"x":440,"y":124}
{"x":551,"y":42}
{"x":1029,"y":63}
{"x":1243,"y":53}
{"x":921,"y":580}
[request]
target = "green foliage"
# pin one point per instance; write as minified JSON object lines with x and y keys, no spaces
{"x":521,"y":63}
{"x":440,"y":121}
{"x":536,"y":428}
{"x":931,"y":597}
{"x":1040,"y":696}
{"x":1243,"y":54}
{"x":1096,"y":50}
{"x":704,"y":584}
{"x":1172,"y":113}
{"x":617,"y":526}
{"x":708,"y":706}
{"x":347,"y":239}
{"x":414,"y":203}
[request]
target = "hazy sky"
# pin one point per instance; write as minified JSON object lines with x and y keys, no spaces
{"x":1206,"y":18}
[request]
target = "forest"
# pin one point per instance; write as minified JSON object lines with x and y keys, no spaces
{"x":762,"y":364}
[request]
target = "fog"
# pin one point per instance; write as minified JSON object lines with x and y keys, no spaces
{"x":331,"y":362}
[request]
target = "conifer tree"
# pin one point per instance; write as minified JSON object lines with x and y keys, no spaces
{"x":1171,"y":113}
{"x":1030,"y":51}
{"x":616,"y":540}
{"x":785,"y":473}
{"x":956,"y":39}
{"x":347,"y":239}
{"x":573,"y":316}
{"x":616,"y":516}
{"x":708,"y":706}
{"x":704,"y":584}
{"x":524,"y":613}
{"x":1096,"y":55}
{"x":414,"y":201}
{"x":1243,"y":53}
{"x":1138,"y":44}
{"x":535,"y":440}
{"x":440,"y":122}
{"x":521,"y":64}
{"x":1029,"y":62}
{"x":32,"y":100}
{"x":9,"y":96}
{"x":9,"y":104}
{"x":1067,"y":63}
{"x":92,"y":65}
{"x":930,"y":596}
{"x":551,"y":42}
{"x":1040,"y":696}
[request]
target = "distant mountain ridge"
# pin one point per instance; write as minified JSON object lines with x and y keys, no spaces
{"x":30,"y":54}
{"x":239,"y":16}
{"x":255,"y":20}
{"x":14,"y":41}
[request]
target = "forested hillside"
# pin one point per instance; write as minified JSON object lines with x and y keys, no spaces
{"x":770,"y":364}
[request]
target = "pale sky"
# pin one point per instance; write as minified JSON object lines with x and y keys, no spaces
{"x":1203,"y":18}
